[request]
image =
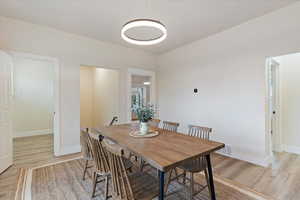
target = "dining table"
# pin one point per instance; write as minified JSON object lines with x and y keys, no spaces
{"x":165,"y":151}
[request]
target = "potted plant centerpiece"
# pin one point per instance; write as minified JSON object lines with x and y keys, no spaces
{"x":144,"y":115}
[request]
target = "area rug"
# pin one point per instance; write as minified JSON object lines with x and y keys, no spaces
{"x":12,"y":183}
{"x":63,"y":181}
{"x":21,"y":183}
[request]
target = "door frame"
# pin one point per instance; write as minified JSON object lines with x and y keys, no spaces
{"x":6,"y":157}
{"x":140,"y":72}
{"x":56,"y":94}
{"x":120,"y":92}
{"x":278,"y":137}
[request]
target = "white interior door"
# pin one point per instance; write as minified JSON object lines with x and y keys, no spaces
{"x":6,"y":149}
{"x":274,"y":105}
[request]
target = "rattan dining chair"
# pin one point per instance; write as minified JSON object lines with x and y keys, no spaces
{"x":196,"y":165}
{"x":86,"y":150}
{"x":134,"y":186}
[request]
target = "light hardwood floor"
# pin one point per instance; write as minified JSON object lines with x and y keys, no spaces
{"x":28,"y":152}
{"x":284,"y":184}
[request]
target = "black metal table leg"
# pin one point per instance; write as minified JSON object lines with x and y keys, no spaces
{"x":161,"y":184}
{"x":211,"y":178}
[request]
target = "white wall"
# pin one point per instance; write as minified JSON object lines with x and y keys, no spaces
{"x":86,"y":96}
{"x":99,"y":96}
{"x":289,"y":71}
{"x":229,"y":70}
{"x":33,"y":96}
{"x":71,"y":51}
{"x":106,"y":96}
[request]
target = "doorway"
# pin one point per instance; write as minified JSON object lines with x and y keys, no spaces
{"x":283,"y":104}
{"x":99,"y":96}
{"x":29,"y":103}
{"x":141,"y":90}
{"x":35,"y":108}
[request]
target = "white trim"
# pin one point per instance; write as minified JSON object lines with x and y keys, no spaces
{"x":268,"y":137}
{"x":141,"y":72}
{"x":69,"y":150}
{"x":243,"y":189}
{"x":291,"y":149}
{"x":57,"y":162}
{"x":264,"y":162}
{"x":6,"y":72}
{"x":26,"y":193}
{"x":32,"y":133}
{"x":3,"y":161}
{"x":56,"y":93}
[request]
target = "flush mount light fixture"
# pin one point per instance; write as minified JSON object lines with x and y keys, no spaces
{"x":147,"y":83}
{"x":138,"y":23}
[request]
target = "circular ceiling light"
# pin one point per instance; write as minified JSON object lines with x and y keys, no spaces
{"x":138,"y":23}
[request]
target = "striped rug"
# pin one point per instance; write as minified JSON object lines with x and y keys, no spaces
{"x":63,"y":181}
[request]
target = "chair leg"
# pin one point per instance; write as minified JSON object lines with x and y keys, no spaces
{"x":85,"y":169}
{"x":168,"y":181}
{"x":95,"y":176}
{"x":176,"y":174}
{"x":184,"y":177}
{"x":142,"y":165}
{"x":191,"y":186}
{"x":130,"y":169}
{"x":106,"y":188}
{"x":207,"y":180}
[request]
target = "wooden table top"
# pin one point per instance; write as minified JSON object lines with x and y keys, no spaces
{"x":165,"y":151}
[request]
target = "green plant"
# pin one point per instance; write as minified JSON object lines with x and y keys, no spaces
{"x":143,"y":113}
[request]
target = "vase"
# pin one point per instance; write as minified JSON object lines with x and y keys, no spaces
{"x":144,"y":128}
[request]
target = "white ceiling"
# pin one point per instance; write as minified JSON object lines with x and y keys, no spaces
{"x":186,"y":20}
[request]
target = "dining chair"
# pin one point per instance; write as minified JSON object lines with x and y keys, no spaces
{"x":134,"y":186}
{"x":154,"y":123}
{"x":113,"y":121}
{"x":170,"y":126}
{"x":86,"y":150}
{"x":101,"y":169}
{"x":196,"y":165}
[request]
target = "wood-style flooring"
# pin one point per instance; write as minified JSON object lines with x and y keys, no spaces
{"x":63,"y":181}
{"x":28,"y":152}
{"x":282,"y":183}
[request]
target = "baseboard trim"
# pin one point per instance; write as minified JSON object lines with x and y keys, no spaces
{"x":264,"y":162}
{"x":32,"y":133}
{"x":291,"y":149}
{"x":3,"y":161}
{"x":69,"y":150}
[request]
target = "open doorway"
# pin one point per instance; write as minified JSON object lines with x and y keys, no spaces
{"x":35,"y":100}
{"x":283,"y":104}
{"x":99,"y":96}
{"x":141,"y":90}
